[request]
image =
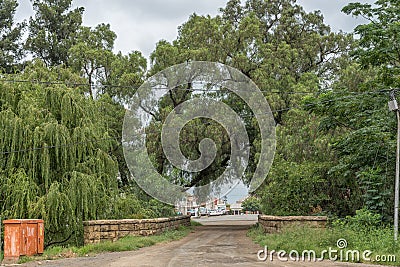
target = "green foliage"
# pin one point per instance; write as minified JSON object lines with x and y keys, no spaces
{"x":129,"y":205}
{"x":379,"y":240}
{"x":117,"y":75}
{"x":276,"y":43}
{"x":22,"y":192}
{"x":298,"y":190}
{"x":124,"y":75}
{"x":365,"y":148}
{"x":364,"y":219}
{"x":91,"y":53}
{"x":113,"y":113}
{"x":283,"y":49}
{"x":60,"y":181}
{"x":334,"y":149}
{"x":363,"y":231}
{"x":56,"y":158}
{"x":298,"y":182}
{"x":377,"y":191}
{"x":156,"y":209}
{"x":356,"y":111}
{"x":379,"y":42}
{"x":52,"y":31}
{"x":10,"y":37}
{"x":251,"y":204}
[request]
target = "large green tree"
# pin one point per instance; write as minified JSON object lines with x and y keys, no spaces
{"x":275,"y":43}
{"x":356,"y":108}
{"x":124,"y":75}
{"x":53,"y":29}
{"x":251,"y":204}
{"x":298,"y":182}
{"x":56,"y":155}
{"x":92,"y":53}
{"x":285,"y":50}
{"x":55,"y":162}
{"x":379,"y":42}
{"x":10,"y":36}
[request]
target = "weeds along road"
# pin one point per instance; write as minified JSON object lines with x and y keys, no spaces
{"x":221,"y":241}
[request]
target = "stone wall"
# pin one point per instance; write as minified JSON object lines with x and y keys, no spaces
{"x":273,"y":224}
{"x":112,"y":230}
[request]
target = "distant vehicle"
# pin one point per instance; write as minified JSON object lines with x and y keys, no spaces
{"x":225,"y":212}
{"x":221,"y":206}
{"x":213,"y":213}
{"x":204,"y":211}
{"x":191,"y":212}
{"x":216,"y":212}
{"x":222,"y":211}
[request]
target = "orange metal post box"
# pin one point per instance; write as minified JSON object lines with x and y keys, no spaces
{"x":22,"y":238}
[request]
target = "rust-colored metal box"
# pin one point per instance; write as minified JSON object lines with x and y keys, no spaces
{"x":22,"y":237}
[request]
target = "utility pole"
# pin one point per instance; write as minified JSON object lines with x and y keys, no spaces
{"x":394,"y":107}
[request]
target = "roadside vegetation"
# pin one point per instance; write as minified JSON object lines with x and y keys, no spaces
{"x":362,"y":232}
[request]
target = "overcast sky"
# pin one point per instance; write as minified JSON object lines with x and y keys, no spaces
{"x":140,"y":24}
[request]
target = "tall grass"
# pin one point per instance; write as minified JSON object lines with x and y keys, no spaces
{"x":359,"y":234}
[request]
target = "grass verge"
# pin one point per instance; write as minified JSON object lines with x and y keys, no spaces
{"x":128,"y":243}
{"x":194,"y":223}
{"x":384,"y":250}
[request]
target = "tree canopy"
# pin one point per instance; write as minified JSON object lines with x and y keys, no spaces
{"x":10,"y":37}
{"x":282,"y":48}
{"x":52,"y":31}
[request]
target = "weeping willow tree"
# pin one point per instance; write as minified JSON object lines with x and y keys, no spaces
{"x":55,"y":160}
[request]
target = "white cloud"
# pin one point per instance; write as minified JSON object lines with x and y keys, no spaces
{"x":140,"y":24}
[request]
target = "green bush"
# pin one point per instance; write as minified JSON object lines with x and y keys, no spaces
{"x":363,"y":220}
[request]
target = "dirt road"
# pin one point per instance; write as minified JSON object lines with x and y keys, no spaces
{"x":221,"y":241}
